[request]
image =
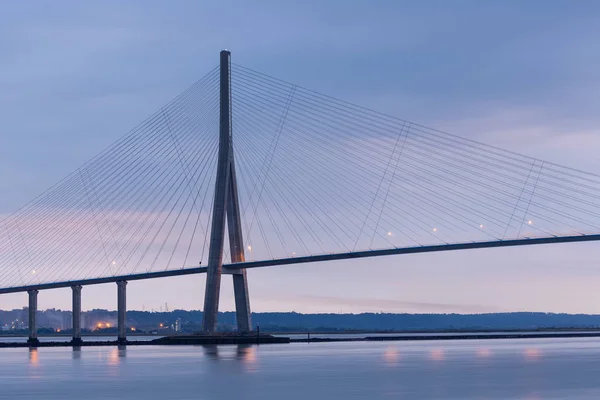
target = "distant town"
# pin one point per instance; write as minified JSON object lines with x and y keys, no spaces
{"x":163,"y":322}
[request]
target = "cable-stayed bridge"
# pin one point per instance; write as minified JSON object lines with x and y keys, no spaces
{"x":243,"y":170}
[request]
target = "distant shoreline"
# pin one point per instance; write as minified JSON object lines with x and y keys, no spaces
{"x":470,"y":336}
{"x":228,"y":339}
{"x":430,"y":331}
{"x":342,"y":332}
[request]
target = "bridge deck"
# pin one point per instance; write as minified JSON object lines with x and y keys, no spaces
{"x":309,"y":259}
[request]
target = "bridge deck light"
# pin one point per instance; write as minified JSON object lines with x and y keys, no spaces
{"x":435,"y":229}
{"x":529,"y":222}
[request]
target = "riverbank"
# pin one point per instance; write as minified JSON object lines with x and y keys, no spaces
{"x":270,"y":339}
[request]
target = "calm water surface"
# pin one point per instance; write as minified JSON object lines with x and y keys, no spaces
{"x":532,"y":369}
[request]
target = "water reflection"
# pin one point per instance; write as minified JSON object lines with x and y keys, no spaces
{"x":76,"y":354}
{"x":391,"y":356}
{"x":245,"y":354}
{"x":532,"y":354}
{"x":484,"y":353}
{"x":115,"y":355}
{"x":470,"y":370}
{"x":248,"y":355}
{"x":34,"y":357}
{"x":437,"y":355}
{"x":211,"y":351}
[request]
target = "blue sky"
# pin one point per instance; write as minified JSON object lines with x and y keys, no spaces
{"x":521,"y":75}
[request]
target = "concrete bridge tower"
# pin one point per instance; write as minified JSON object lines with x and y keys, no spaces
{"x":226,"y":207}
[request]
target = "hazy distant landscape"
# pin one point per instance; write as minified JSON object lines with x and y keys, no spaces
{"x":181,"y":321}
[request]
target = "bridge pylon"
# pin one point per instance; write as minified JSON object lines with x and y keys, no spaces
{"x":226,"y":207}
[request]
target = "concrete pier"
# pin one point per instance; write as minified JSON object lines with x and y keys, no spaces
{"x":33,"y":339}
{"x":236,"y":246}
{"x":121,"y":311}
{"x":76,"y":315}
{"x":242,"y":302}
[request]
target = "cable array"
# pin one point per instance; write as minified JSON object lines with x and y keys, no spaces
{"x":316,"y":175}
{"x":320,"y":175}
{"x":143,"y":204}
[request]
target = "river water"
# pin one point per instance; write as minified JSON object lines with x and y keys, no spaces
{"x":531,"y":369}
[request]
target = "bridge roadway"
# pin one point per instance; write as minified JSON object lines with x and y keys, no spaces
{"x":234,"y":268}
{"x":231,"y":268}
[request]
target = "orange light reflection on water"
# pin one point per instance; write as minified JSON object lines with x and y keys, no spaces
{"x":249,"y":358}
{"x":113,"y":357}
{"x":35,"y":372}
{"x":391,"y":356}
{"x":532,"y":354}
{"x":484,"y":353}
{"x":34,"y":357}
{"x":437,"y":355}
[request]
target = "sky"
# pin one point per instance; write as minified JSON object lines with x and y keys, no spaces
{"x":521,"y":75}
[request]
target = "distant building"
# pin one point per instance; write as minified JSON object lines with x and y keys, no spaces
{"x":178,"y":325}
{"x":67,"y":322}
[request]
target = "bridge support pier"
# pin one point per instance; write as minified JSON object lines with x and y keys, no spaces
{"x":76,"y":315}
{"x":121,"y":311}
{"x":33,"y":339}
{"x":242,"y":302}
{"x":236,"y":248}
